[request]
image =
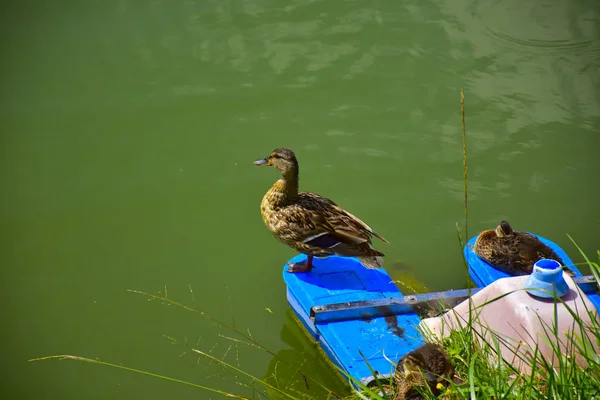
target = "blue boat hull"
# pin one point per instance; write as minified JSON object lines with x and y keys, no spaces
{"x":336,"y":280}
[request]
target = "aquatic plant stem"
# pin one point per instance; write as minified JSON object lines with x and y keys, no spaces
{"x":465,"y":168}
{"x":138,"y":371}
{"x":249,"y":340}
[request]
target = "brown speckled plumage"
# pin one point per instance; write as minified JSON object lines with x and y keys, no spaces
{"x":312,"y":224}
{"x":430,"y":359}
{"x":407,"y":389}
{"x":427,"y":365}
{"x":513,"y":252}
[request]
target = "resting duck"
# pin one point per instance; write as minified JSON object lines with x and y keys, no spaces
{"x":513,"y":252}
{"x":429,"y":360}
{"x":312,"y":224}
{"x":425,"y":366}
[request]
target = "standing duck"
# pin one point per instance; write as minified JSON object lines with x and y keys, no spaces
{"x":513,"y":252}
{"x":312,"y":224}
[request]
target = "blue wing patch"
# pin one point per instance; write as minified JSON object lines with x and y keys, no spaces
{"x":324,"y":241}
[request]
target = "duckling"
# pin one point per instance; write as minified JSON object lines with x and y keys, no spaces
{"x":429,"y":361}
{"x":513,"y":252}
{"x":312,"y":224}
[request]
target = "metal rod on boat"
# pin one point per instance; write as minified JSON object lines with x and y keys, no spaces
{"x":369,"y":309}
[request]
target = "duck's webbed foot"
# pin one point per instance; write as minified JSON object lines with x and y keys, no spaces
{"x":304,"y":266}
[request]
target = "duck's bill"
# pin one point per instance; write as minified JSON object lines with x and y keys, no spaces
{"x":263,"y":161}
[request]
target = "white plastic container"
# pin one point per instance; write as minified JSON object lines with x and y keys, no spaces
{"x":519,"y":321}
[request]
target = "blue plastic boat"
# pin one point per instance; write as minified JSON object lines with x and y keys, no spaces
{"x":380,"y":336}
{"x":482,"y":273}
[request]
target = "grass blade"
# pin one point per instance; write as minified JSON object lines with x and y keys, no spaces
{"x":137,"y":371}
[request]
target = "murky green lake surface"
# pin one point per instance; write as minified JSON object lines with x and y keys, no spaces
{"x":129,"y":131}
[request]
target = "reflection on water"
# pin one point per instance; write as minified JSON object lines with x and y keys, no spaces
{"x":302,"y":367}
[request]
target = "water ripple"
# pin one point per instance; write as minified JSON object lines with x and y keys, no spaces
{"x":547,"y":47}
{"x":363,"y":151}
{"x":532,"y":63}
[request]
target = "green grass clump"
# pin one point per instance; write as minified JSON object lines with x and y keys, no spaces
{"x":482,"y":375}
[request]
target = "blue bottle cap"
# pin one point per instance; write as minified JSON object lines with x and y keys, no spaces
{"x":546,"y":277}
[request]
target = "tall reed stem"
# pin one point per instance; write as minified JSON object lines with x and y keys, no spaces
{"x":465,"y":168}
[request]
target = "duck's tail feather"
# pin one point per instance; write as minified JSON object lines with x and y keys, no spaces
{"x":371,"y":262}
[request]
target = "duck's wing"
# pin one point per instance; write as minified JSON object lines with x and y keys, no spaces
{"x":532,"y":249}
{"x":345,"y":224}
{"x":333,"y":229}
{"x":360,"y":223}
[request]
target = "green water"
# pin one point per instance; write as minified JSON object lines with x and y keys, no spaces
{"x":128,"y":134}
